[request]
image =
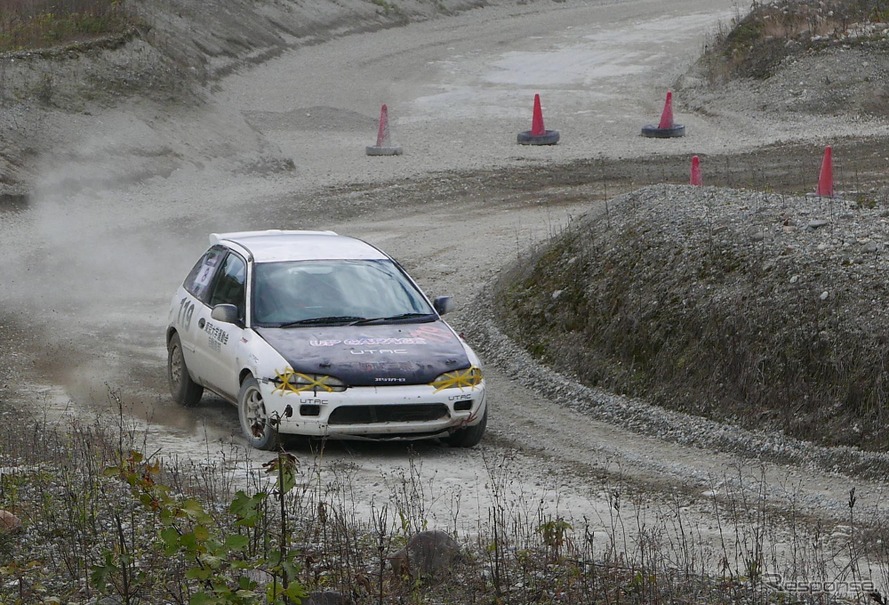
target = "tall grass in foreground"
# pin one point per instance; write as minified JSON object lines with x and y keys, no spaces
{"x":104,"y":517}
{"x":34,"y":24}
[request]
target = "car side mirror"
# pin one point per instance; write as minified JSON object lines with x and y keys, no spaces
{"x":443,"y":304}
{"x":225,"y":313}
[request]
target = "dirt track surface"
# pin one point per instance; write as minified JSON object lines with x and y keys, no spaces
{"x":123,"y":206}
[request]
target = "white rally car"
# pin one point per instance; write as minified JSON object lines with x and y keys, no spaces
{"x":317,"y":334}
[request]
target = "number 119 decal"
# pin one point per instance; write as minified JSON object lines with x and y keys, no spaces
{"x":186,"y":310}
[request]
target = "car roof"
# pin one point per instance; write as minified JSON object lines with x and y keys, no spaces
{"x":279,"y":245}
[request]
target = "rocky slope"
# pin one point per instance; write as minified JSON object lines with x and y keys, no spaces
{"x":760,"y":309}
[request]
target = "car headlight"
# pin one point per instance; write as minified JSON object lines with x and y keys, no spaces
{"x":459,"y":379}
{"x":297,"y":382}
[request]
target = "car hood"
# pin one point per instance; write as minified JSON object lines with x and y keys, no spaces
{"x":374,"y":355}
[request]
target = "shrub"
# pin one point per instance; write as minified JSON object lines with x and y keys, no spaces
{"x":44,"y":23}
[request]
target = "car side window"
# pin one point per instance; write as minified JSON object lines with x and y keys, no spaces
{"x":201,"y":276}
{"x":229,"y":286}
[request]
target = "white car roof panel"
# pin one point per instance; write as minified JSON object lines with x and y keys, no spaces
{"x":278,"y":245}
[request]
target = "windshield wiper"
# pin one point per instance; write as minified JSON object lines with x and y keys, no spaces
{"x":333,"y":319}
{"x":369,"y":320}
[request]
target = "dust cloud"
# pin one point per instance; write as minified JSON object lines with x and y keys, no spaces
{"x":114,"y":220}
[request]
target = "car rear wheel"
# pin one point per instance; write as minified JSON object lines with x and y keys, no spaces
{"x":470,"y":436}
{"x":185,"y":391}
{"x":255,"y":421}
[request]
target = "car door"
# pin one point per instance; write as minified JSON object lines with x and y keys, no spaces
{"x":217,"y":343}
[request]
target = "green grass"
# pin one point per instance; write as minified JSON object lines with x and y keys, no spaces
{"x":31,"y":25}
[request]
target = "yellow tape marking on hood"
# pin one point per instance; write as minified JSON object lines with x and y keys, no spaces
{"x":470,"y":377}
{"x":283,"y":383}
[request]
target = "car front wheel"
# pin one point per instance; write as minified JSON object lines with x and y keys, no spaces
{"x":470,"y":436}
{"x":185,"y":391}
{"x":255,"y":421}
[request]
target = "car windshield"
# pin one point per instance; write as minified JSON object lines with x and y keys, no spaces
{"x":335,"y":292}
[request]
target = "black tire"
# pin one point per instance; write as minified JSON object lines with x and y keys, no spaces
{"x":185,"y":391}
{"x":677,"y":130}
{"x":470,"y":436}
{"x":549,"y":137}
{"x":255,"y":422}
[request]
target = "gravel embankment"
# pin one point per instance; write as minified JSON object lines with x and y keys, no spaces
{"x":833,"y":251}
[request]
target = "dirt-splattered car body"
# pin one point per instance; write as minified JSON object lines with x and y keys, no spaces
{"x":316,"y":334}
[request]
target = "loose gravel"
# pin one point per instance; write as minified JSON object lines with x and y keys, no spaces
{"x":835,"y":242}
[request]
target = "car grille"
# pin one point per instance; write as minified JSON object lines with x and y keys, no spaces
{"x":370,"y":414}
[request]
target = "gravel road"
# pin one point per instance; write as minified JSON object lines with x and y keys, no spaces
{"x":124,"y":204}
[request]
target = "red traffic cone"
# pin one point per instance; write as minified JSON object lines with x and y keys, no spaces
{"x":667,"y":114}
{"x":538,"y":135}
{"x":383,"y":146}
{"x":537,"y":128}
{"x":666,"y":128}
{"x":695,"y":178}
{"x":383,"y":132}
{"x":825,"y":178}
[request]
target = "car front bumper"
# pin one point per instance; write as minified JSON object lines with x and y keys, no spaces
{"x":387,"y":412}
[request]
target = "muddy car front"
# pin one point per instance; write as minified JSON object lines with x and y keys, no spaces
{"x":390,"y":381}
